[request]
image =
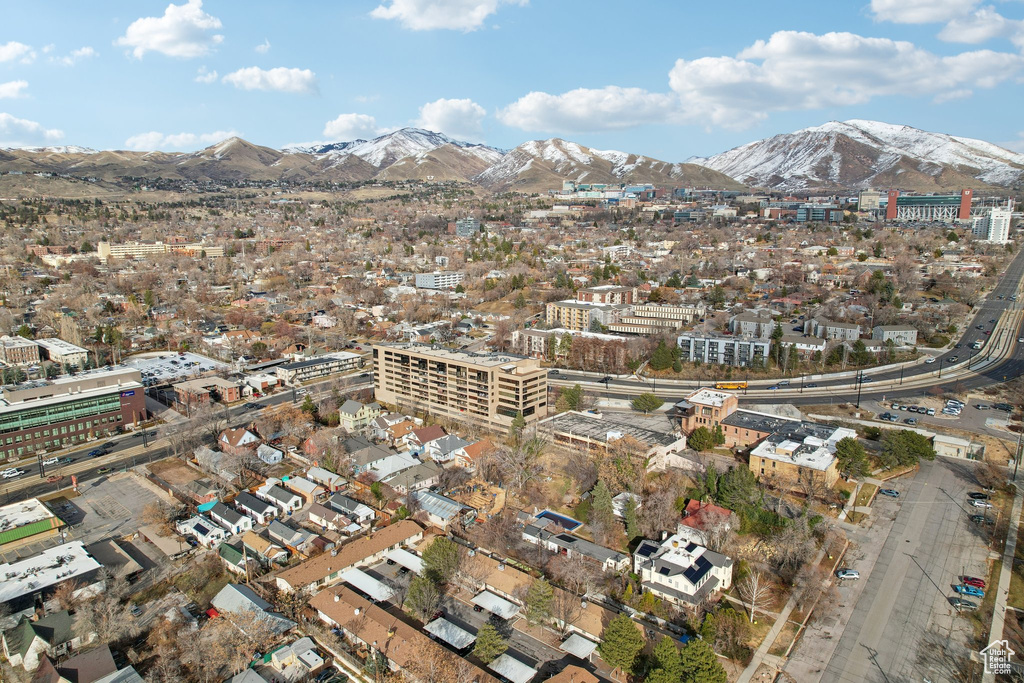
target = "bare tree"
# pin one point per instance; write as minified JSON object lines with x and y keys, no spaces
{"x":581,"y":467}
{"x":756,"y":589}
{"x":719,"y":530}
{"x":658,"y":512}
{"x":520,"y":463}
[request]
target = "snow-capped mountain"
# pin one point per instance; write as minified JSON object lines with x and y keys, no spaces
{"x":58,"y":149}
{"x":385,"y":150}
{"x":859,"y":153}
{"x":544,"y":164}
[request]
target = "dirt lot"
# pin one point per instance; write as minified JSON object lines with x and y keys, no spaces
{"x":174,"y":471}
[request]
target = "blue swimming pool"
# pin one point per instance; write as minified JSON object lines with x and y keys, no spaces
{"x":567,"y":523}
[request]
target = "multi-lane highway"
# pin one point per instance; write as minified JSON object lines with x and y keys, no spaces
{"x":998,"y":322}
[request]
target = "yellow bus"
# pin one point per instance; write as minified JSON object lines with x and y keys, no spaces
{"x":730,"y":385}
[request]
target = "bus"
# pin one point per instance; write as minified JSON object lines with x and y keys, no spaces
{"x":730,"y":385}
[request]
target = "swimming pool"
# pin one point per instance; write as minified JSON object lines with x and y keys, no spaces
{"x":567,"y":523}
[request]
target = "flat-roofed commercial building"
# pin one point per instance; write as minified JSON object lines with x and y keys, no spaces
{"x":65,"y":353}
{"x":18,"y":351}
{"x":50,"y":415}
{"x":487,"y":388}
{"x":26,"y":522}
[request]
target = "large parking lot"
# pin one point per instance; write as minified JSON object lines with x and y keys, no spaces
{"x":167,"y":367}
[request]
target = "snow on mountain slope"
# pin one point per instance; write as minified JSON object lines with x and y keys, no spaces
{"x":60,"y":149}
{"x":856,"y":153}
{"x":385,"y":150}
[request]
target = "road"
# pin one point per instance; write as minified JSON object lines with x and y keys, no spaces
{"x":1002,"y":318}
{"x":128,"y":450}
{"x":902,"y":627}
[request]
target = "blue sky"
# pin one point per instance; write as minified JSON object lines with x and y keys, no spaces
{"x":665,"y":78}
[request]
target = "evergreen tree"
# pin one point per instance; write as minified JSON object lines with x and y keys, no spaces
{"x":621,"y":642}
{"x":602,"y":509}
{"x":701,"y":439}
{"x":646,"y":403}
{"x":441,"y":560}
{"x":489,"y":644}
{"x":718,"y":435}
{"x":538,"y":602}
{"x":661,"y":359}
{"x":666,"y":657}
{"x":423,"y":598}
{"x":629,"y":515}
{"x":700,"y":664}
{"x":853,"y":460}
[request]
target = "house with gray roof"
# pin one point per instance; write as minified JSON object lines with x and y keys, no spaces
{"x":288,"y":501}
{"x":260,"y":510}
{"x":680,"y":571}
{"x":351,"y":508}
{"x":421,"y":476}
{"x":445,"y":449}
{"x":566,"y":544}
{"x":232,"y":520}
{"x":237,"y":599}
{"x":441,"y":510}
{"x":353,"y":416}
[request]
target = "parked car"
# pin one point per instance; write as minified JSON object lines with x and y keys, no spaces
{"x":911,"y":421}
{"x":847,"y":574}
{"x":973,"y":591}
{"x":892,"y":493}
{"x":981,"y":504}
{"x":982,"y":406}
{"x":973,"y":581}
{"x":960,"y":603}
{"x":982,"y":519}
{"x":1005,"y":407}
{"x":930,"y":411}
{"x":978,"y":495}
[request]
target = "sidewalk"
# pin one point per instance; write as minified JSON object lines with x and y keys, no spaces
{"x":1003,"y":590}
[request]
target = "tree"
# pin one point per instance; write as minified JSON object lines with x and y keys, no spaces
{"x":853,"y":460}
{"x":308,"y":407}
{"x":258,"y":349}
{"x":662,"y":357}
{"x":700,"y":664}
{"x":647,"y":403}
{"x":489,"y":644}
{"x":904,"y":447}
{"x":520,"y":462}
{"x":516,"y":428}
{"x":718,"y":435}
{"x":423,"y":598}
{"x":621,"y":642}
{"x":631,"y":518}
{"x":666,"y":658}
{"x":538,"y":602}
{"x":441,"y":560}
{"x":756,"y":589}
{"x":602,"y":510}
{"x":701,"y":439}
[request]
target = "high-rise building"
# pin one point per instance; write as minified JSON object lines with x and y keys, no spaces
{"x":439,"y":280}
{"x":993,"y":225}
{"x":467,"y":227}
{"x":488,"y":389}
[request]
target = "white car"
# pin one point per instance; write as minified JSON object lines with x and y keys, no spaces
{"x":976,"y":503}
{"x":12,"y":473}
{"x":51,"y":461}
{"x":1020,"y":340}
{"x":929,"y":361}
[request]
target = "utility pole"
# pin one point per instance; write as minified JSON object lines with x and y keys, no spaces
{"x":860,"y":384}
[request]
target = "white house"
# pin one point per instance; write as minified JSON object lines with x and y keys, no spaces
{"x":269,"y":454}
{"x":204,"y":530}
{"x":680,"y":571}
{"x":232,"y":520}
{"x":260,"y":510}
{"x":353,"y":509}
{"x":288,"y":501}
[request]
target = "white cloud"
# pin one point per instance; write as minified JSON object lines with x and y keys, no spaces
{"x":47,"y":49}
{"x":264,"y":47}
{"x":204,"y":76}
{"x":280,"y":79}
{"x":587,"y":109}
{"x":12,"y":89}
{"x":15,"y":132}
{"x":15,"y":50}
{"x":920,"y":11}
{"x":427,"y":15}
{"x":77,"y":56}
{"x":459,"y":119}
{"x":147,"y":142}
{"x":351,"y":127}
{"x":981,"y":26}
{"x":183,"y":31}
{"x":797,"y":71}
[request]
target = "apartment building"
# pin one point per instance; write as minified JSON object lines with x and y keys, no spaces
{"x":705,"y":408}
{"x":901,"y":335}
{"x":607,"y":294}
{"x":65,"y":353}
{"x":578,"y":316}
{"x":439,"y":280}
{"x":18,"y":350}
{"x":294,"y":374}
{"x":467,"y":227}
{"x":647,"y":319}
{"x":538,"y":343}
{"x":994,"y":224}
{"x":734,"y":351}
{"x":489,"y":389}
{"x":49,"y":415}
{"x":829,"y":329}
{"x":753,"y":324}
{"x":142,"y":250}
{"x":799,"y":450}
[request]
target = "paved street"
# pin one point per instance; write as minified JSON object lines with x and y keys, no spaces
{"x":901,"y":617}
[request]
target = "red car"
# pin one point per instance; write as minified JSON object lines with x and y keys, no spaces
{"x":973,"y":581}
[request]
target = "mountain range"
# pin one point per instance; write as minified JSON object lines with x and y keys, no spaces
{"x":837,"y":155}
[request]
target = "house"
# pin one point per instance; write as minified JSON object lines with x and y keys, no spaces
{"x":701,"y":520}
{"x":200,"y":491}
{"x":202,"y":529}
{"x":309,"y":491}
{"x":705,"y":408}
{"x":52,"y":636}
{"x":237,"y":441}
{"x":422,"y":436}
{"x":901,"y":335}
{"x":326,"y":569}
{"x":380,"y":428}
{"x":421,"y":476}
{"x":298,"y":661}
{"x":260,"y":510}
{"x":399,"y":643}
{"x":804,"y":345}
{"x":330,"y":519}
{"x":232,"y":520}
{"x":93,"y":666}
{"x":236,"y":600}
{"x":237,"y":559}
{"x":269,"y":454}
{"x":445,"y":448}
{"x":562,"y":543}
{"x":353,"y":509}
{"x":264,"y":549}
{"x":295,"y":540}
{"x":620,"y":502}
{"x":681,"y":572}
{"x":756,"y":324}
{"x":469,"y":456}
{"x":440,"y":510}
{"x":330,"y":481}
{"x":288,"y":501}
{"x":354,"y":416}
{"x":364,"y":457}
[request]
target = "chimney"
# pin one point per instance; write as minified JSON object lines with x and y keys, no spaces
{"x":337,"y":598}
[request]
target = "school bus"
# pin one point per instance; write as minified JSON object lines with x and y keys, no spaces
{"x":730,"y":385}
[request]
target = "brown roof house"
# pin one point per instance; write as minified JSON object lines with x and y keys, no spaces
{"x":238,"y":441}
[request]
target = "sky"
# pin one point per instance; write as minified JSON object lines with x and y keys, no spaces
{"x":669,"y":79}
